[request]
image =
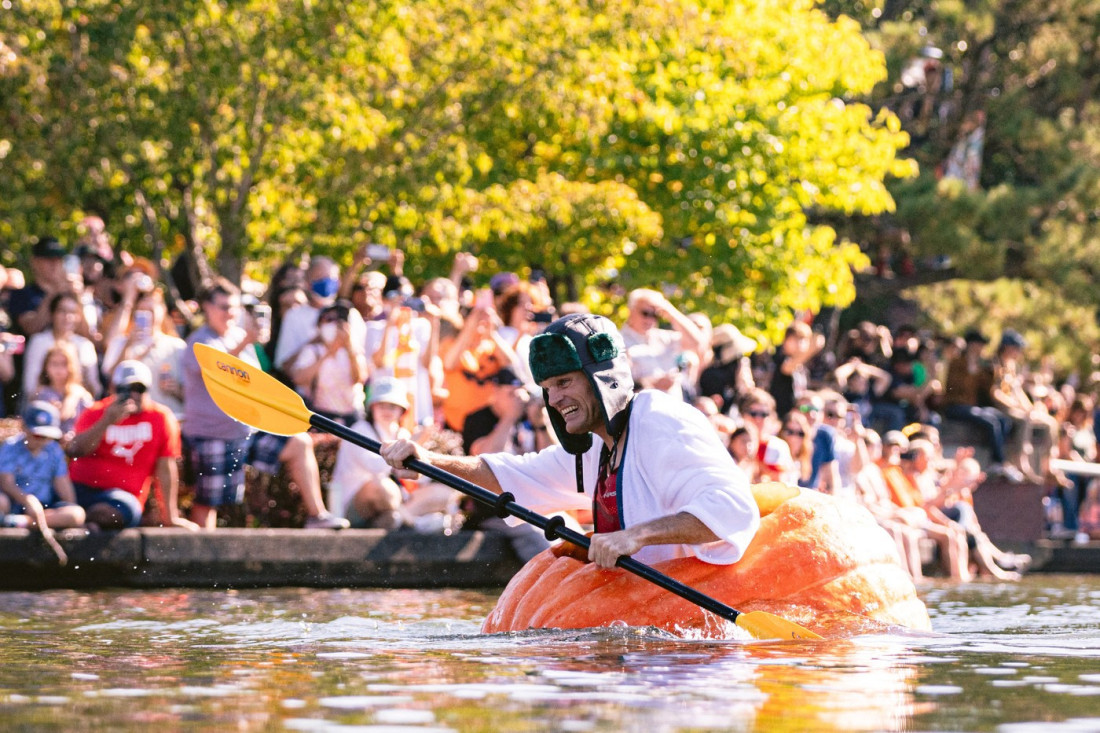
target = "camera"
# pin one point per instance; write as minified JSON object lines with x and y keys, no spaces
{"x":543,"y":317}
{"x":417,"y":304}
{"x":128,"y":392}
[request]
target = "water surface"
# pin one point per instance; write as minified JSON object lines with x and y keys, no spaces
{"x":1009,"y":657}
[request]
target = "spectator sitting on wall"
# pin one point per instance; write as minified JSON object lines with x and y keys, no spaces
{"x":363,"y":488}
{"x":35,"y":490}
{"x":513,"y":422}
{"x":967,"y":397}
{"x":122,"y":444}
{"x":218,"y":447}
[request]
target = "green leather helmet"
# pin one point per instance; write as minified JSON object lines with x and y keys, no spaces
{"x":591,"y":344}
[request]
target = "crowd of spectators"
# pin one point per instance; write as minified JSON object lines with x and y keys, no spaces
{"x":95,"y":357}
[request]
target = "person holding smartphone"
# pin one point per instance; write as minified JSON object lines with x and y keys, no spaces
{"x":152,"y":341}
{"x":122,"y":443}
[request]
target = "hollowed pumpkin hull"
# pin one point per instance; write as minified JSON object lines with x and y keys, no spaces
{"x":821,"y":563}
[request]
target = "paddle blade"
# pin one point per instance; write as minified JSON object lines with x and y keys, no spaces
{"x":245,"y":393}
{"x":764,"y":625}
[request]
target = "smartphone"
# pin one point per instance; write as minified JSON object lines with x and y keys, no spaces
{"x":143,"y":324}
{"x":262,"y":313}
{"x":12,"y":343}
{"x":378,"y":252}
{"x":71,"y":264}
{"x":485,"y":298}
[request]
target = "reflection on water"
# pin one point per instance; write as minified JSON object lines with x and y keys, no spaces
{"x":1006,"y":657}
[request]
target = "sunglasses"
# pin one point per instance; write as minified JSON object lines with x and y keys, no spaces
{"x":648,"y":313}
{"x":799,"y":433}
{"x":758,"y":413}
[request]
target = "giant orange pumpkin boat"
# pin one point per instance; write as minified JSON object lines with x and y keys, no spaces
{"x":816,"y":561}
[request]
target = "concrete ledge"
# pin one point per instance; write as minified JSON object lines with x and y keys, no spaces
{"x":257,"y":558}
{"x":1064,"y":557}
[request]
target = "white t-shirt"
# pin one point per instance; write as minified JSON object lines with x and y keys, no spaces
{"x":300,"y":326}
{"x":655,"y":353}
{"x":673,"y":462}
{"x":163,"y":359}
{"x":334,"y":387}
{"x":353,"y":466}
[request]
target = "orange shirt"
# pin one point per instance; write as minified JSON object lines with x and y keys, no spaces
{"x":468,"y":385}
{"x":903,"y":492}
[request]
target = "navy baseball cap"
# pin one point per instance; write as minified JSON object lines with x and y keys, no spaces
{"x":42,"y":419}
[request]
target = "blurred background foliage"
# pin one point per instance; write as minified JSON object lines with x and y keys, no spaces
{"x":755,"y":160}
{"x":1015,"y":241}
{"x":671,"y":144}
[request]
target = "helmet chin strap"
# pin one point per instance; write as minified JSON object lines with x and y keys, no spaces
{"x":616,"y":426}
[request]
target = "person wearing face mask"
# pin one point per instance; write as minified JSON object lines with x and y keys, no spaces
{"x":331,"y":369}
{"x":299,"y":326}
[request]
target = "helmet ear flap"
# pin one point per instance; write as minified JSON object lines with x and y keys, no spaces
{"x":602,"y":347}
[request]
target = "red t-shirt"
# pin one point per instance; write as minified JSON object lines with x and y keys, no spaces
{"x":127,"y":456}
{"x":606,"y":504}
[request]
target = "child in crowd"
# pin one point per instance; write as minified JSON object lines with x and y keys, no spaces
{"x":61,"y":385}
{"x":35,"y":490}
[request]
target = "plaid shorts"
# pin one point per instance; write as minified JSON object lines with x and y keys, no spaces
{"x":217,"y":466}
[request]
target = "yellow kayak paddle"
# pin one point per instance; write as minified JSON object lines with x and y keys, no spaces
{"x":247,"y":394}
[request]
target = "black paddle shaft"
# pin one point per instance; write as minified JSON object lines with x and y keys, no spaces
{"x":552,"y":527}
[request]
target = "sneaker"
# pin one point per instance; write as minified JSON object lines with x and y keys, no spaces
{"x":1011,"y":473}
{"x":326,"y":520}
{"x":1058,"y":532}
{"x":432,"y":523}
{"x":16,"y":521}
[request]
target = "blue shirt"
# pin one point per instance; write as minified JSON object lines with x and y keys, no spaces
{"x":33,"y":474}
{"x":824,"y":452}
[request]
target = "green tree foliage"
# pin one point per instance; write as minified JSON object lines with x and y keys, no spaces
{"x":678,"y":144}
{"x":1031,"y":70}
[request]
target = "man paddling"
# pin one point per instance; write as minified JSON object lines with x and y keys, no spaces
{"x":659,"y":482}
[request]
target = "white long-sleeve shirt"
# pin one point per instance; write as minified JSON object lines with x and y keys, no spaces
{"x":673,"y":462}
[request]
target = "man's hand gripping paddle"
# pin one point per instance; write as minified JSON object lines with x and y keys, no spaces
{"x":248,"y":395}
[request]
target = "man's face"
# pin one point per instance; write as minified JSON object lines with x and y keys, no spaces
{"x":642,"y":316}
{"x":757,"y":415}
{"x":91,"y":268}
{"x":220,"y":312}
{"x":572,"y":395}
{"x":48,"y":270}
{"x":135,"y":392}
{"x":35,"y":443}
